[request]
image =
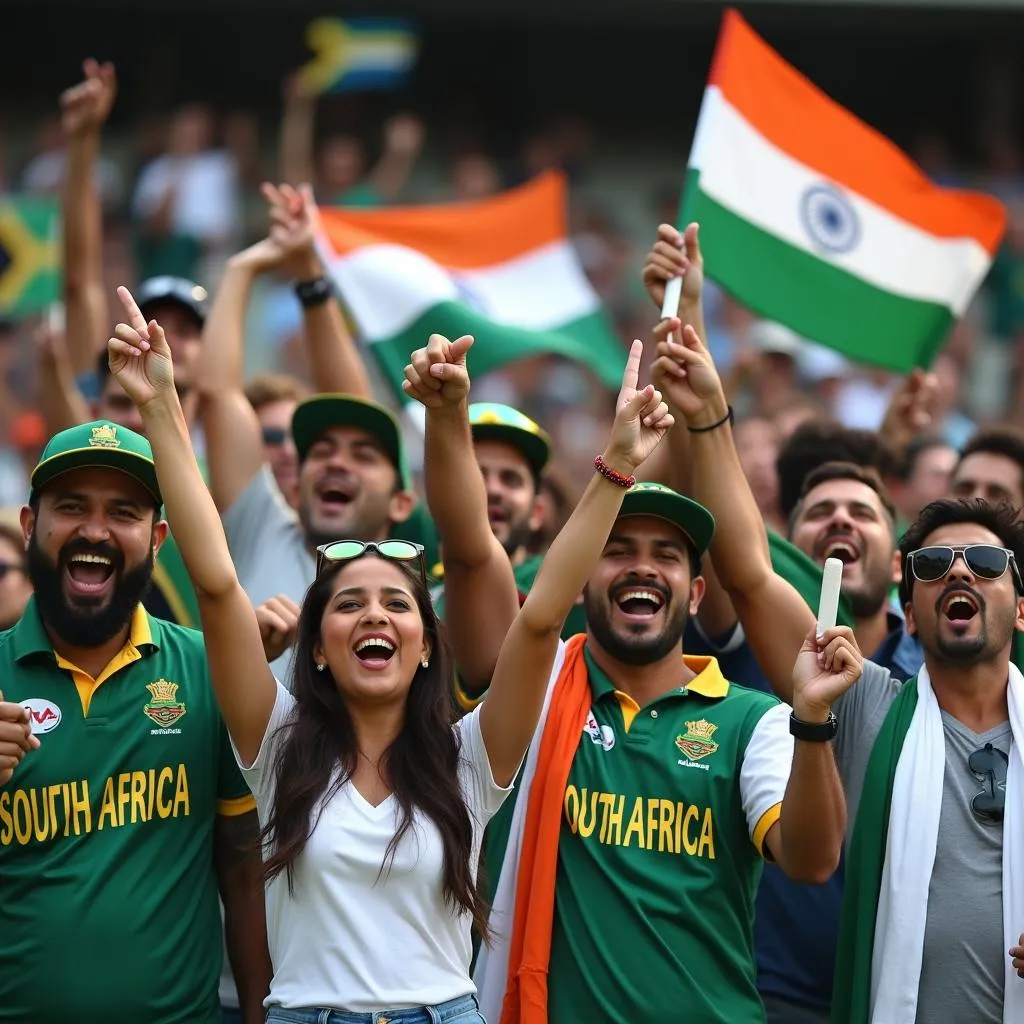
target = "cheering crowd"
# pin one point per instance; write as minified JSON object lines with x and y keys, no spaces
{"x":399,"y":754}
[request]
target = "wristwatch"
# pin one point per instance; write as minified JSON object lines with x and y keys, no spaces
{"x":315,"y":292}
{"x":814,"y":732}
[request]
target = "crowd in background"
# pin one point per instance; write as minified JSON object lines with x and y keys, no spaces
{"x":218,"y":160}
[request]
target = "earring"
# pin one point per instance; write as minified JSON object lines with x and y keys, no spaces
{"x":320,"y":666}
{"x":425,"y":661}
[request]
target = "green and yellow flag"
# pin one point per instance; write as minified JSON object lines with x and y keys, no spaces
{"x":30,"y":272}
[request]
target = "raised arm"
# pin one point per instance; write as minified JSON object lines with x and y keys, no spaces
{"x":403,"y":140}
{"x":334,"y":360}
{"x":84,"y":110}
{"x":774,"y":616}
{"x":244,"y":685}
{"x":508,"y":718}
{"x":480,"y":594}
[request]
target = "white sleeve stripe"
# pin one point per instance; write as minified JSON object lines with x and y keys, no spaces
{"x":767,"y":761}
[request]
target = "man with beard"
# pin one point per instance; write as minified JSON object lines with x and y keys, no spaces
{"x":931,"y":915}
{"x":664,"y":804}
{"x":126,"y":797}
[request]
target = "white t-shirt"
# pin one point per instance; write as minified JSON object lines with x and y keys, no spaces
{"x":350,"y":937}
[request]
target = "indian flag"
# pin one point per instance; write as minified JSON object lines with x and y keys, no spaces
{"x":812,"y":218}
{"x":501,"y":269}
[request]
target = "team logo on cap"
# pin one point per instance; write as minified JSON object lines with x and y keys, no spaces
{"x":104,"y":436}
{"x":830,"y":219}
{"x":164,"y":709}
{"x":697,"y":742}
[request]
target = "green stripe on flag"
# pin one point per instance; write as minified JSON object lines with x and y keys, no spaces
{"x":589,"y":340}
{"x":811,"y":296}
{"x":30,"y":278}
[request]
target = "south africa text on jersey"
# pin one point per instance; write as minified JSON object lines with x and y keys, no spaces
{"x":69,"y":808}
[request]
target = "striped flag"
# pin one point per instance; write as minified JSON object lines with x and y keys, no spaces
{"x":30,"y":278}
{"x":360,"y":54}
{"x":813,"y":219}
{"x":501,"y":269}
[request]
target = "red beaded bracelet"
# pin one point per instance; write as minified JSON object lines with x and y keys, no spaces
{"x":610,"y":474}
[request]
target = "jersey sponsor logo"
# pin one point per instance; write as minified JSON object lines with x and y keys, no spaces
{"x":650,"y":823}
{"x":602,"y":735}
{"x":44,"y":813}
{"x":164,"y":709}
{"x":697,"y":741}
{"x":43,"y":715}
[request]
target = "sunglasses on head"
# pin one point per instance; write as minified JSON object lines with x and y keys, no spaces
{"x":991,"y":765}
{"x":986,"y":561}
{"x":393,"y":550}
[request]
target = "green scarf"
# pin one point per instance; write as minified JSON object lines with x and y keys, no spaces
{"x":851,"y":996}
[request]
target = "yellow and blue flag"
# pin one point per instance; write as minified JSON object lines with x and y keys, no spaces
{"x":359,"y":54}
{"x":30,"y":273}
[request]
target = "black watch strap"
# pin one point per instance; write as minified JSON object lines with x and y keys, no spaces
{"x":315,"y":292}
{"x":814,"y":732}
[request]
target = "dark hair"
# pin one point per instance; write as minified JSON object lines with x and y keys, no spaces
{"x":820,"y":441}
{"x":1001,"y":519}
{"x":422,"y":762}
{"x":102,"y":369}
{"x":1003,"y":441}
{"x":866,"y":475}
{"x":921,"y":445}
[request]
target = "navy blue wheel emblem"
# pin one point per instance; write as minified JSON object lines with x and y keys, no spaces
{"x":829,"y":219}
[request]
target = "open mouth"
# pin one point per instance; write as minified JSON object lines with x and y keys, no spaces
{"x":89,"y":573}
{"x":335,"y":494}
{"x":960,"y":607}
{"x":497,"y":516}
{"x":640,"y":603}
{"x":844,"y":549}
{"x":374,"y":652}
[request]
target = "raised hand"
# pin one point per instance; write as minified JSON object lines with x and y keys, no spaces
{"x":294,"y":223}
{"x":85,"y":107}
{"x":824,"y":670}
{"x":674,"y":254}
{"x":641,"y":419}
{"x":138,"y":354}
{"x":437,"y":375}
{"x":403,"y":134}
{"x":911,"y":409}
{"x":16,"y":738}
{"x":1017,"y":956}
{"x":279,"y":619}
{"x":686,"y":372}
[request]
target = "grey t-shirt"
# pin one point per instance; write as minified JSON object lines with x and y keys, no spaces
{"x":269,"y":550}
{"x":962,"y":971}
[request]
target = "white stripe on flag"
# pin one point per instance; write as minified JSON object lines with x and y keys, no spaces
{"x":388,"y":287}
{"x":748,"y":175}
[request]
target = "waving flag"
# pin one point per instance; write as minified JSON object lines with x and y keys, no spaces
{"x":359,"y":55}
{"x":29,"y":255}
{"x":501,"y":269}
{"x":812,"y":218}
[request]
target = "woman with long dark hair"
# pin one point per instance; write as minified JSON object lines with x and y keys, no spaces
{"x":373,"y":802}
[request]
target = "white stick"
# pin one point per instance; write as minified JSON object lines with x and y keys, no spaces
{"x":828,"y":605}
{"x":673,"y":291}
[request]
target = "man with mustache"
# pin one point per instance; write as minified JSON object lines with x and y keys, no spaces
{"x":931,"y":914}
{"x":121,"y":810}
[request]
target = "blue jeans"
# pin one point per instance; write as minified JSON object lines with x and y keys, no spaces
{"x":464,"y":1010}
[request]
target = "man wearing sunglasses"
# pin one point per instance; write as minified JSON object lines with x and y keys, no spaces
{"x":932,"y":903}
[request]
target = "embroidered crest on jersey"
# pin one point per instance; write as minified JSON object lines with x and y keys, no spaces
{"x":600,"y":734}
{"x":164,"y":709}
{"x":697,"y":742}
{"x":104,"y":436}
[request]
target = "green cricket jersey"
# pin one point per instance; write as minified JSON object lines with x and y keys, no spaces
{"x":665,"y":813}
{"x":110,"y":906}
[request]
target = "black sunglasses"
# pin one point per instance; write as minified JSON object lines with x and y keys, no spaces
{"x":273,"y":437}
{"x":986,"y":561}
{"x":991,"y":765}
{"x":393,"y":550}
{"x":6,"y":567}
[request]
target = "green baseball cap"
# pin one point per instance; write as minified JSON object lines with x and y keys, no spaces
{"x":650,"y":499}
{"x":315,"y":416}
{"x":493,"y":422}
{"x":99,"y":443}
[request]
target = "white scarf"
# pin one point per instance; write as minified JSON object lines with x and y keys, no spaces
{"x":910,"y":857}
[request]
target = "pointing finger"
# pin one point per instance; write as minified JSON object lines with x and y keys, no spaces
{"x":631,"y":375}
{"x":131,"y":308}
{"x":459,"y":348}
